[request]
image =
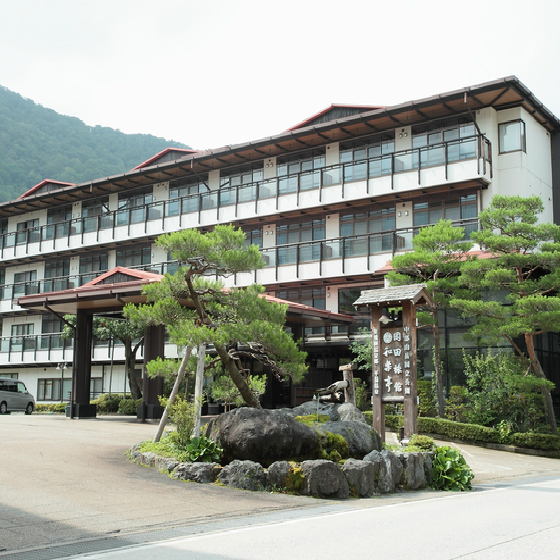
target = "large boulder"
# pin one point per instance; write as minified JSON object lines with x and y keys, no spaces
{"x":361,"y":438}
{"x":246,"y":475}
{"x":360,"y":476}
{"x":324,"y":479}
{"x":264,"y":436}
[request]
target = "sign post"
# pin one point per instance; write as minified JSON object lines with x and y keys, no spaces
{"x":393,"y":328}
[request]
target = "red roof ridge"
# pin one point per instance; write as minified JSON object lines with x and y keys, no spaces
{"x":162,"y":153}
{"x":327,"y":109}
{"x":140,"y":274}
{"x":42,"y":183}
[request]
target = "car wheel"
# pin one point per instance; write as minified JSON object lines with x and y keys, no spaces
{"x":3,"y":407}
{"x":29,"y":408}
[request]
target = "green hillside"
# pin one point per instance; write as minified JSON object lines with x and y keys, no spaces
{"x":38,"y":143}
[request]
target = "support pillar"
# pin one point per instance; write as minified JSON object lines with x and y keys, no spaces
{"x":154,"y":347}
{"x":80,"y":406}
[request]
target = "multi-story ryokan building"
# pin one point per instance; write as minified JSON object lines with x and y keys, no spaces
{"x":329,"y":202}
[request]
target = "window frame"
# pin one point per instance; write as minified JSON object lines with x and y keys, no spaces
{"x":522,"y":137}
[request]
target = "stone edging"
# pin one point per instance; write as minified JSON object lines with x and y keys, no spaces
{"x":380,"y":472}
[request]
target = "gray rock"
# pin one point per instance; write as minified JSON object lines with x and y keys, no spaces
{"x":395,"y":468}
{"x":147,"y":458}
{"x":312,"y":407}
{"x":264,"y":436}
{"x":383,"y":477}
{"x":203,"y":473}
{"x":324,"y":479}
{"x":414,"y":477}
{"x":349,"y":411}
{"x":247,"y":475}
{"x":165,"y":464}
{"x":360,"y":476}
{"x":277,"y":473}
{"x":428,"y":462}
{"x":361,"y":438}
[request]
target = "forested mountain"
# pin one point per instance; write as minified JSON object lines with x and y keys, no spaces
{"x":38,"y":143}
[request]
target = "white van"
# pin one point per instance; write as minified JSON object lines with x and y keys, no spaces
{"x":15,"y":396}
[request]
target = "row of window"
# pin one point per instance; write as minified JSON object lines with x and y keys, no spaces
{"x":359,"y":159}
{"x":353,"y":226}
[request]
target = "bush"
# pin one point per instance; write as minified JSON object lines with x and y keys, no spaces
{"x":427,"y":403}
{"x":456,"y":405}
{"x":464,"y":432}
{"x":361,"y":393}
{"x":500,"y":392}
{"x":546,"y":442}
{"x":129,"y":406}
{"x":450,"y":470}
{"x":106,"y":403}
{"x":201,"y":449}
{"x":425,"y":443}
{"x":183,"y":415}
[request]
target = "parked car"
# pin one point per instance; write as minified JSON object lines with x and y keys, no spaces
{"x":15,"y":396}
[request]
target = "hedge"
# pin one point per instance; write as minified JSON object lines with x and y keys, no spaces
{"x":473,"y":433}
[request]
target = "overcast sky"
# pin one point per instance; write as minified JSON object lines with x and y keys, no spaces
{"x":216,"y":72}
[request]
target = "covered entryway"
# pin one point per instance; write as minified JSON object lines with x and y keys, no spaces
{"x":107,"y":295}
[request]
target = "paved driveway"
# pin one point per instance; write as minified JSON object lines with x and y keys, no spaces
{"x":65,"y":480}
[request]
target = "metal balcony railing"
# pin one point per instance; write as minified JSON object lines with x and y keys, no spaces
{"x":444,"y":154}
{"x":343,"y":248}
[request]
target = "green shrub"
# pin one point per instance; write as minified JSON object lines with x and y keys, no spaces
{"x":427,"y":403}
{"x":201,"y":449}
{"x":450,"y":470}
{"x":106,"y":403}
{"x":129,"y":406}
{"x":464,"y":432}
{"x":394,"y":422}
{"x":361,"y":393}
{"x":499,"y":391}
{"x":424,"y":443}
{"x":183,"y":415}
{"x":456,"y":404}
{"x":546,"y":442}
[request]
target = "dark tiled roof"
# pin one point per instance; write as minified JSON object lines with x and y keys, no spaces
{"x":414,"y":292}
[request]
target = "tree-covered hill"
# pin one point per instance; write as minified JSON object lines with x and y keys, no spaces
{"x":37,"y":143}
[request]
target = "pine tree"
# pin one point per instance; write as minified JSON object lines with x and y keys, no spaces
{"x":197,"y":309}
{"x":439,"y":253}
{"x":525,"y":265}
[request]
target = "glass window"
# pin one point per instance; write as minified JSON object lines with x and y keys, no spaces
{"x":511,"y":136}
{"x":92,"y":265}
{"x":240,"y":183}
{"x":132,"y":207}
{"x":253,"y":237}
{"x":24,"y":283}
{"x":455,"y":209}
{"x":27,"y":231}
{"x":134,"y":256}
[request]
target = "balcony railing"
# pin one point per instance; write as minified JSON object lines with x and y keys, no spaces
{"x":343,"y":248}
{"x":365,"y":245}
{"x":418,"y":159}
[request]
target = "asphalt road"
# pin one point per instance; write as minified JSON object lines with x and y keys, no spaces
{"x":67,"y":489}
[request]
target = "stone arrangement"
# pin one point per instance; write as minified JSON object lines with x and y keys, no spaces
{"x":257,"y":442}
